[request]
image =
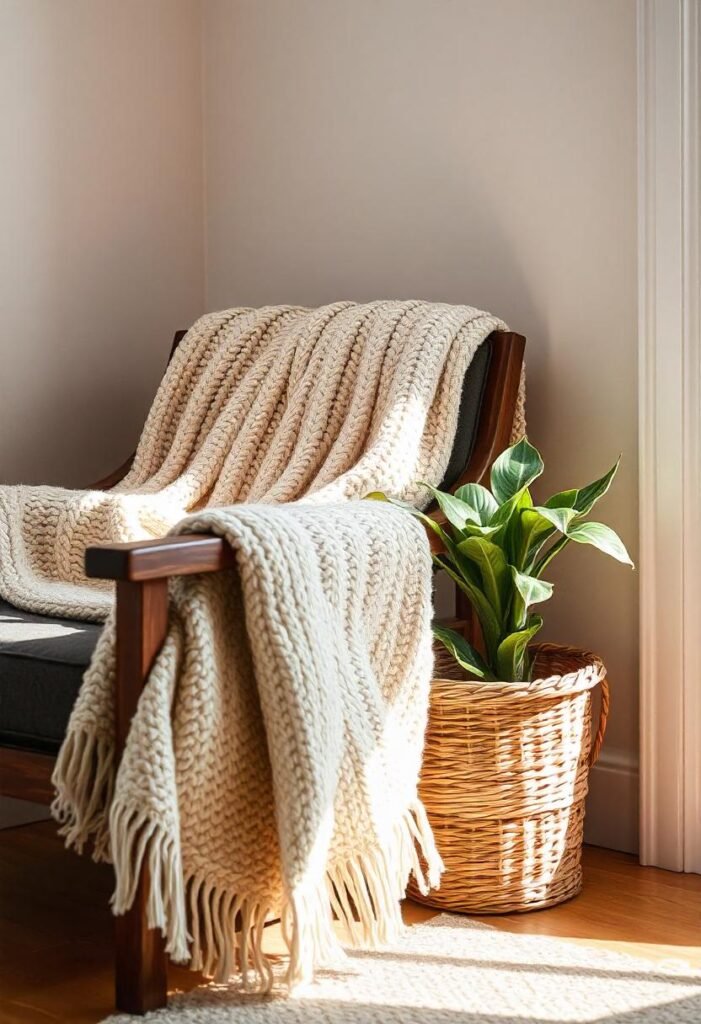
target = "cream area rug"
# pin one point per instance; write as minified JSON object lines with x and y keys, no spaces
{"x":452,"y":969}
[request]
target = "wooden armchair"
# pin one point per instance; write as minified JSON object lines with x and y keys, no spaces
{"x":141,"y":571}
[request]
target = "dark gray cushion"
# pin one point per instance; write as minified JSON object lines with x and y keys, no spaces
{"x":42,"y":661}
{"x":468,"y":416}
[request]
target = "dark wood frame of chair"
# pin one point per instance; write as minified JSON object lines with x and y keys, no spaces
{"x":141,"y":571}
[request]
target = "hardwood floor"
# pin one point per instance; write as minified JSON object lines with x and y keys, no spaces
{"x":56,"y":931}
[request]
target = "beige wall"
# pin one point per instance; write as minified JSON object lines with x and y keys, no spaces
{"x":463,"y":150}
{"x":101,"y":210}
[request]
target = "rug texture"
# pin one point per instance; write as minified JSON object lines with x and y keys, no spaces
{"x":452,"y":970}
{"x":272,"y":764}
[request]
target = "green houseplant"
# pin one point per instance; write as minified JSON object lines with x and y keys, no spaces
{"x":497,"y":545}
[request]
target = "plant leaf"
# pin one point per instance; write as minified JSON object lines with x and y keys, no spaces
{"x":504,"y":514}
{"x":488,"y":621}
{"x":511,"y":652}
{"x":457,"y":512}
{"x":589,"y":495}
{"x":539,"y":523}
{"x":584,"y":499}
{"x":494,"y":570}
{"x":473,"y":530}
{"x":463,"y":652}
{"x":535,"y":530}
{"x":602,"y":537}
{"x":529,"y":590}
{"x":560,"y":518}
{"x":511,"y":536}
{"x":515,"y":469}
{"x":563,"y":499}
{"x":480,"y":500}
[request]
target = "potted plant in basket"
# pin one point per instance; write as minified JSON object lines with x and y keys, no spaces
{"x":508,"y":743}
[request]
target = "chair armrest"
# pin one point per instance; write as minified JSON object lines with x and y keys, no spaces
{"x":184,"y":555}
{"x":157,"y":559}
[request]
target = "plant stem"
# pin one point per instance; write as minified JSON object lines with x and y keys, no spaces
{"x":549,"y":555}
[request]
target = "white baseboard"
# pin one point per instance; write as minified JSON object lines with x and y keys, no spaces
{"x":612,"y":805}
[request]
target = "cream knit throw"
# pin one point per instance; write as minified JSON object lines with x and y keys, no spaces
{"x":271,"y":766}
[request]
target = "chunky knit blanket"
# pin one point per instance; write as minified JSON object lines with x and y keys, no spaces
{"x":272,"y":764}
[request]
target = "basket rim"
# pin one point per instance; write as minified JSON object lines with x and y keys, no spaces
{"x":590,"y":671}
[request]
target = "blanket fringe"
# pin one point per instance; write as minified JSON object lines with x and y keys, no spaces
{"x":138,"y":839}
{"x":227,"y":935}
{"x":363,"y":891}
{"x":84,"y":781}
{"x":225,"y":931}
{"x":218,"y":932}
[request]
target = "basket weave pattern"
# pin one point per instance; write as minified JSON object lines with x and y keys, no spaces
{"x":504,"y":778}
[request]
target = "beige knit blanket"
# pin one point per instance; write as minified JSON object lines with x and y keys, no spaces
{"x":272,"y":764}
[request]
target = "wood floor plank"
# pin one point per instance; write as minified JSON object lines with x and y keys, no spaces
{"x":56,"y":930}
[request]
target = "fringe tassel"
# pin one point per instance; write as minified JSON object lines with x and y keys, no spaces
{"x":364,"y":892}
{"x":138,"y":839}
{"x":308,"y":932}
{"x":227,"y":935}
{"x":84,"y":783}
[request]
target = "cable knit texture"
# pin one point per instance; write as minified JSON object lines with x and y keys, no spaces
{"x":272,"y":763}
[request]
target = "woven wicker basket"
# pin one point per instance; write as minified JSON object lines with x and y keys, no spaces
{"x":504,"y":777}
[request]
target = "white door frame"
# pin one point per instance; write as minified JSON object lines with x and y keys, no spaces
{"x":669,"y":211}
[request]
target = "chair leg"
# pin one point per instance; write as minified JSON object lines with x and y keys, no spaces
{"x":141,"y":976}
{"x":141,"y":980}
